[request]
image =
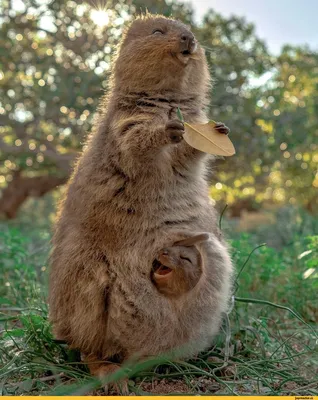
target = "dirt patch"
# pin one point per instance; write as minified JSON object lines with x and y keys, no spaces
{"x":165,"y":386}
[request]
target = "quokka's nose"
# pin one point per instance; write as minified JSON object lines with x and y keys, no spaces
{"x":187,"y":42}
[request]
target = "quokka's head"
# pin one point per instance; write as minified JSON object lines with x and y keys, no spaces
{"x":159,"y":54}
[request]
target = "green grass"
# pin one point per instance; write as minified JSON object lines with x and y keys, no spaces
{"x":268,"y":342}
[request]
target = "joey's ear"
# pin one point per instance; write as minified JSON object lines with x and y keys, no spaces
{"x":190,"y":241}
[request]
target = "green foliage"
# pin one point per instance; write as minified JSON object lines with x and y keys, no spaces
{"x":22,"y":262}
{"x":311,"y":256}
{"x":290,"y":272}
{"x":49,"y":94}
{"x":290,"y":256}
{"x":14,"y":267}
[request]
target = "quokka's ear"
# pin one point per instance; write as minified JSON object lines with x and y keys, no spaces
{"x":190,"y":241}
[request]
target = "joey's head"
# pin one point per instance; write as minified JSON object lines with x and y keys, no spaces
{"x":160,"y":54}
{"x":178,"y":268}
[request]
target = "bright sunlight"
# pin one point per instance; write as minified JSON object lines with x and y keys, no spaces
{"x":99,"y":17}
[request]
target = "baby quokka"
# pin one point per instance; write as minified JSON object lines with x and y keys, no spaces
{"x":178,"y":268}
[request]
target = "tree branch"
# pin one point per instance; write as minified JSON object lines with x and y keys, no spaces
{"x":20,"y":188}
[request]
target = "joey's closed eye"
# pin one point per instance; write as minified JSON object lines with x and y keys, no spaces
{"x":158,"y":32}
{"x":186,"y":258}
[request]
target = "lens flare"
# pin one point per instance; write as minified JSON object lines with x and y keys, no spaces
{"x":100,"y":17}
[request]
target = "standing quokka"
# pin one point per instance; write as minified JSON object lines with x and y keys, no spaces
{"x":136,"y":189}
{"x":178,"y":268}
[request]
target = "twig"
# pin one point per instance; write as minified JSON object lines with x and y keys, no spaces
{"x":3,"y":309}
{"x":258,"y":337}
{"x":221,"y":216}
{"x":227,"y":345}
{"x":247,"y":260}
{"x":268,"y":303}
{"x":44,"y":379}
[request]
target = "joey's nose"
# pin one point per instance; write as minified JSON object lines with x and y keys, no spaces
{"x":187,"y":43}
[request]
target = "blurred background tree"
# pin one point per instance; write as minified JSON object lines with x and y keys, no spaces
{"x":55,"y":64}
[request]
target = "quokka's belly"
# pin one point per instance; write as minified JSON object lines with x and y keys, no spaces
{"x":150,"y":324}
{"x":140,"y":319}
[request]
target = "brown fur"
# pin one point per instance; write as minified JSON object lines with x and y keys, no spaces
{"x":178,"y":268}
{"x":134,"y":191}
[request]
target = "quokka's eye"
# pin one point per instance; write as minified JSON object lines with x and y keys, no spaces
{"x":186,"y":258}
{"x":158,"y":32}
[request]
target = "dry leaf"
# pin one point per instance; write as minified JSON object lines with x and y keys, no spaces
{"x":205,"y":138}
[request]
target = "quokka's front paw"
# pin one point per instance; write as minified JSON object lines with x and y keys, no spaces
{"x":175,"y":130}
{"x":221,"y":128}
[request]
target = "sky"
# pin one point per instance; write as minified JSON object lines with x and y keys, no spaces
{"x":278,"y":22}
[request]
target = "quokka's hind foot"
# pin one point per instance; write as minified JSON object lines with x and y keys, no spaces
{"x":102,"y":369}
{"x":119,"y":387}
